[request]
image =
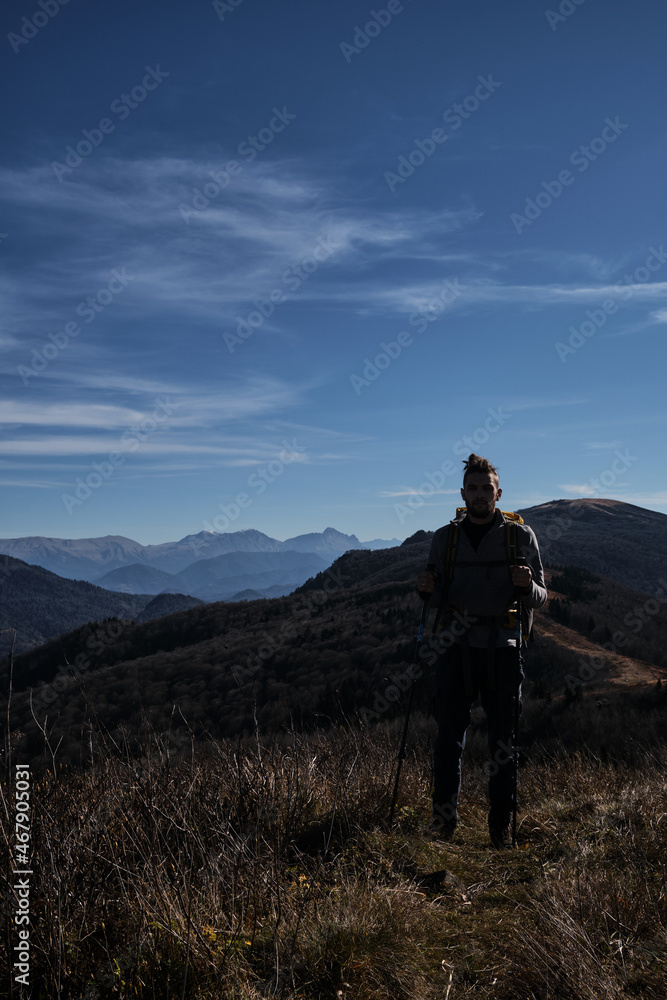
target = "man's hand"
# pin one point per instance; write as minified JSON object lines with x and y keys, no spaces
{"x":426,"y":582}
{"x":522,"y":576}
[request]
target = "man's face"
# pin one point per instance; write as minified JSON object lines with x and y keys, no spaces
{"x":480,"y":494}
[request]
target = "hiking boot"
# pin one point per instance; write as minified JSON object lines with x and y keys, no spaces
{"x":500,"y":830}
{"x":441,"y":831}
{"x":501,"y":837}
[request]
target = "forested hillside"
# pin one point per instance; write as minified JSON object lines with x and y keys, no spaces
{"x":39,"y":605}
{"x":320,"y":656}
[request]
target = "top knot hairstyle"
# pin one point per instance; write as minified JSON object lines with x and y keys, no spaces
{"x":475,"y":463}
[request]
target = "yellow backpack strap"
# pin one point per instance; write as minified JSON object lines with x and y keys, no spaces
{"x":512,"y":535}
{"x":509,"y":515}
{"x":450,"y":558}
{"x":450,"y":551}
{"x":511,"y":542}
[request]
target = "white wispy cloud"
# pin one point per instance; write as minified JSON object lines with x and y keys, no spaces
{"x":559,"y":294}
{"x":602,"y":445}
{"x":67,"y":414}
{"x":584,"y":489}
{"x":59,"y":445}
{"x":121,"y":213}
{"x":38,"y":484}
{"x":410,"y":492}
{"x":270,"y":217}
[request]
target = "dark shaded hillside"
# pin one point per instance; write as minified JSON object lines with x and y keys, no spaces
{"x":167,"y":604}
{"x":360,"y":567}
{"x":220,"y":578}
{"x":339,"y":647}
{"x":136,"y":579}
{"x":40,"y":605}
{"x":616,"y":540}
{"x":311,"y":658}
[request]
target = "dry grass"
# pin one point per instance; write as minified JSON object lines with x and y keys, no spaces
{"x":254,"y":871}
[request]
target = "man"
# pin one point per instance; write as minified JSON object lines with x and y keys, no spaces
{"x":473,"y":585}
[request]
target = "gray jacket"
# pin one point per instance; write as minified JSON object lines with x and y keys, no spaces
{"x":481,"y":589}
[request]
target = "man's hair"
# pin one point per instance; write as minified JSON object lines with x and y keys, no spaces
{"x":475,"y":463}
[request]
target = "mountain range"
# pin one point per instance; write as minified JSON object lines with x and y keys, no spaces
{"x":337,"y":644}
{"x":618,"y":541}
{"x":46,"y":584}
{"x":92,"y":559}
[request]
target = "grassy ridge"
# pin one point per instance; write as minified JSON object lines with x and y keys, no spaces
{"x":248,"y":871}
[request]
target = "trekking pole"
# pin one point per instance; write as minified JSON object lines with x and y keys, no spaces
{"x":401,"y":752}
{"x":520,"y":561}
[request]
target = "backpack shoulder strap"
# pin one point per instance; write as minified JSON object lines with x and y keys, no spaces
{"x":512,"y":544}
{"x":453,"y":535}
{"x":451,"y":546}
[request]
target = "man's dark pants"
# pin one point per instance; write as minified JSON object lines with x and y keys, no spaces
{"x":457,"y":688}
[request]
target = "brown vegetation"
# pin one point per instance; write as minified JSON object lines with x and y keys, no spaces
{"x":251,"y":871}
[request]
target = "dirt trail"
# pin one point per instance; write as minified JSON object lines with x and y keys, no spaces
{"x":617,"y":670}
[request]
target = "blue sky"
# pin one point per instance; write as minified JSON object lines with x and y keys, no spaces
{"x":283,"y":266}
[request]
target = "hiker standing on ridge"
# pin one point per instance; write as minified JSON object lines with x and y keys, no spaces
{"x":473,"y":578}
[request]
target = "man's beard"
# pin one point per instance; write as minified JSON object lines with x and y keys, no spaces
{"x":482,"y":506}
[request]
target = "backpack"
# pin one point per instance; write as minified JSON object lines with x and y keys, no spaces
{"x":511,"y":541}
{"x":512,"y":519}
